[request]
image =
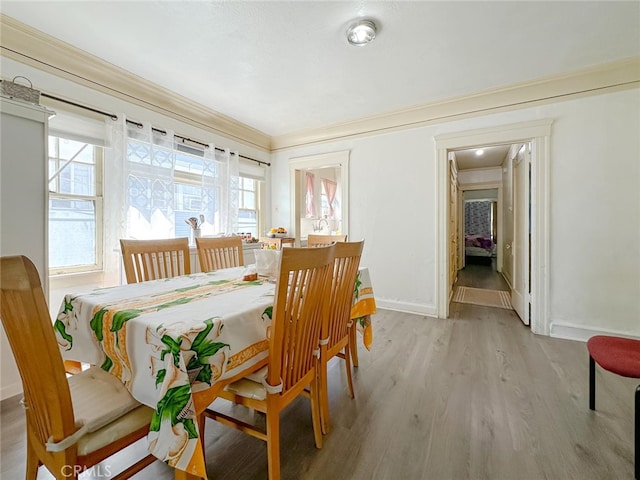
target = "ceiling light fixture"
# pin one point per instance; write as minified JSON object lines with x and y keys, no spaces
{"x":361,"y":33}
{"x":479,"y":152}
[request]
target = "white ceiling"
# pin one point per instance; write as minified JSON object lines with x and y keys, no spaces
{"x":282,"y":67}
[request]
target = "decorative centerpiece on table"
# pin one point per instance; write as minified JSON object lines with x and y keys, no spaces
{"x":195,"y":224}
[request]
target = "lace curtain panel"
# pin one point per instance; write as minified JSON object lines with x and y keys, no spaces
{"x":153,"y":183}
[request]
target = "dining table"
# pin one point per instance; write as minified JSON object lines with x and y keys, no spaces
{"x":174,"y":343}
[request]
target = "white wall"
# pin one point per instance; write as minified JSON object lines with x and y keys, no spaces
{"x":594,"y":199}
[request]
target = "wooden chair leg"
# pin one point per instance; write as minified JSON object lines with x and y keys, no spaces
{"x":353,"y":346}
{"x":637,"y":441}
{"x":33,"y":463}
{"x":323,"y":396}
{"x":273,"y":443}
{"x":316,"y":414}
{"x":347,"y":363}
{"x":592,"y":383}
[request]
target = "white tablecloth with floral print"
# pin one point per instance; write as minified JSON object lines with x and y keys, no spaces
{"x":168,"y":339}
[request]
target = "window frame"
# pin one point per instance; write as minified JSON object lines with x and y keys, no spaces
{"x":97,"y":198}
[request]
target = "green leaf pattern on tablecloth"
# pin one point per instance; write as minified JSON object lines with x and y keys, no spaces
{"x":63,"y":322}
{"x":181,"y":358}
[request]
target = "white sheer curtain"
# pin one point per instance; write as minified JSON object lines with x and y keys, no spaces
{"x":140,"y":187}
{"x":220,"y":187}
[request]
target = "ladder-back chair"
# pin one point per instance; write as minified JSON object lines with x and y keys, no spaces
{"x":146,"y":260}
{"x":72,"y":424}
{"x":320,"y":240}
{"x":221,"y":252}
{"x":336,"y":331}
{"x":301,"y":302}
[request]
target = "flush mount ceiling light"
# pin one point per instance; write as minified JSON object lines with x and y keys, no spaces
{"x":361,"y":33}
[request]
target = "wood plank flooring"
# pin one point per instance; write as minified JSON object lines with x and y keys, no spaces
{"x":477,"y":396}
{"x":481,"y":276}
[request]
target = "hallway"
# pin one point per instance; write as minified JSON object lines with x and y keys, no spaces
{"x":481,"y":276}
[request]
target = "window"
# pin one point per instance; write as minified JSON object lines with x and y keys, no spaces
{"x":248,"y":206}
{"x":75,"y":206}
{"x":167,"y":183}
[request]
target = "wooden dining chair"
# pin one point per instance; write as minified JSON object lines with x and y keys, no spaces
{"x":146,"y":260}
{"x":221,"y":252}
{"x":71,"y":424}
{"x":301,"y":301}
{"x":320,"y":240}
{"x":337,"y":325}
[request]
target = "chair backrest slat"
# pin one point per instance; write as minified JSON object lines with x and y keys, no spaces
{"x":301,"y":303}
{"x":27,"y":324}
{"x":322,"y":240}
{"x":217,"y":253}
{"x":154,"y":259}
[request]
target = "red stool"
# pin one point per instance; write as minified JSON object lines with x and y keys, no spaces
{"x":622,"y":357}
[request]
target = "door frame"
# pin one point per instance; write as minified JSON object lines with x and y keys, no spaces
{"x":538,"y":132}
{"x":520,"y":249}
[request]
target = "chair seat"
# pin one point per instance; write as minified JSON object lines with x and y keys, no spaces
{"x":615,"y":354}
{"x":99,"y":398}
{"x":120,"y":428}
{"x":250,"y":386}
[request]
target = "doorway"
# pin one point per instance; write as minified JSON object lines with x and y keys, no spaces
{"x":538,"y":134}
{"x":481,"y":216}
{"x":311,"y":209}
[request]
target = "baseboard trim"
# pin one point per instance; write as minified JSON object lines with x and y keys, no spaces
{"x":581,"y":333}
{"x":8,"y":391}
{"x":417,"y":308}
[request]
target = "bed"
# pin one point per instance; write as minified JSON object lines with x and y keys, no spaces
{"x":478,"y":246}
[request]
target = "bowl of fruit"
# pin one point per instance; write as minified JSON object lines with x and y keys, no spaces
{"x":279,"y":232}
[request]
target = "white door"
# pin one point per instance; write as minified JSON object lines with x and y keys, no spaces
{"x":520,"y":250}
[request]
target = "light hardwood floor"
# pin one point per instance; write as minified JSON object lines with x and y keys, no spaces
{"x":477,"y":396}
{"x":481,"y":276}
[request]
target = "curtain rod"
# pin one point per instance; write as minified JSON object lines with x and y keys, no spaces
{"x":113,"y":116}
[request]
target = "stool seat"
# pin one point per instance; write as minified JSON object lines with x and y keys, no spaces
{"x":620,"y":356}
{"x":616,"y":354}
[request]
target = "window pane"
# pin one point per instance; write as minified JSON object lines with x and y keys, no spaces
{"x":188,"y":163}
{"x":248,"y":222}
{"x":188,"y":204}
{"x":77,"y":178}
{"x":248,"y":200}
{"x":80,"y":152}
{"x":72,"y":232}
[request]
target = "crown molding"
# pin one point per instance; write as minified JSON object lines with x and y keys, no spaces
{"x":39,"y":50}
{"x":620,"y":75}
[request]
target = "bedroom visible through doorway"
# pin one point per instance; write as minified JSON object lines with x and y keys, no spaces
{"x":480,"y":220}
